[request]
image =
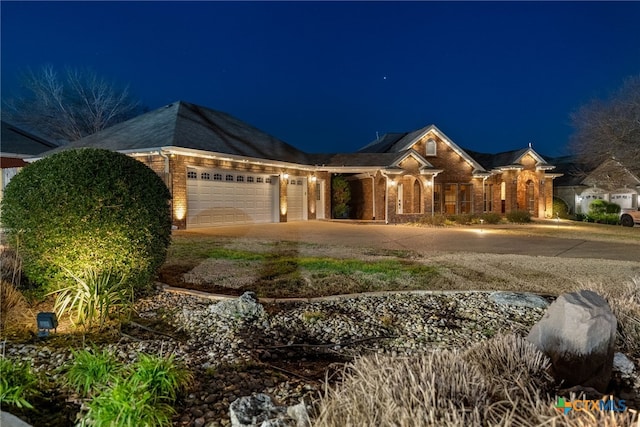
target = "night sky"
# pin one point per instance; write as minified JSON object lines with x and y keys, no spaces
{"x":328,"y":76}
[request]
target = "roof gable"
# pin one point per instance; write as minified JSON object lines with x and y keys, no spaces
{"x":401,"y":142}
{"x":413,"y":154}
{"x":507,"y":158}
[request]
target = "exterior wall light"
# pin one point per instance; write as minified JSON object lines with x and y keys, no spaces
{"x":285,"y":176}
{"x":46,"y":321}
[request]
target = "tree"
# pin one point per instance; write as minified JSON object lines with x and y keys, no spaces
{"x":341,"y":196}
{"x":610,"y":128}
{"x":69,"y":108}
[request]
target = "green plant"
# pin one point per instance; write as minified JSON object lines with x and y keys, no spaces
{"x":18,"y":383}
{"x":519,"y":217}
{"x":92,"y":297}
{"x":128,"y":403}
{"x":340,"y":196}
{"x":88,"y":209}
{"x":161,"y":376}
{"x":604,"y":212}
{"x":91,"y":371}
{"x":560,"y":208}
{"x":491,"y":218}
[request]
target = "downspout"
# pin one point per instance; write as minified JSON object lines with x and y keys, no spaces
{"x":433,"y":198}
{"x":484,"y":201}
{"x":167,"y":180}
{"x":373,"y":194}
{"x":166,"y":167}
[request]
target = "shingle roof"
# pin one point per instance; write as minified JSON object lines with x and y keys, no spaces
{"x":186,"y":125}
{"x":490,"y":161}
{"x":21,"y":143}
{"x":353,"y":159}
{"x":393,"y":142}
{"x":574,"y":171}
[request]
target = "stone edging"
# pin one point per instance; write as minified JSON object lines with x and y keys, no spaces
{"x":220,"y":297}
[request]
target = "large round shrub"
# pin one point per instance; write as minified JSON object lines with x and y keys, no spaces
{"x":88,"y":210}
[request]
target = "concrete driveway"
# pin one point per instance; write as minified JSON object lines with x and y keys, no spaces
{"x":491,"y":239}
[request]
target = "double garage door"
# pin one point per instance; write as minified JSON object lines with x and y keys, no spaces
{"x":227,"y":197}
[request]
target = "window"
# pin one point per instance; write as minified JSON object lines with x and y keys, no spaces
{"x":240,"y":178}
{"x":259,"y":179}
{"x":192,"y":175}
{"x":292,"y":182}
{"x":488,"y":197}
{"x":317,"y":191}
{"x":249,"y":179}
{"x":430,"y":148}
{"x":205,"y":175}
{"x":465,"y":197}
{"x":437,"y":198}
{"x":267,"y":180}
{"x":299,"y":182}
{"x":228,"y":178}
{"x":450,"y":198}
{"x":217,"y":177}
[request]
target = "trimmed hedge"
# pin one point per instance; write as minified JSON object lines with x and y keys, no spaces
{"x":88,"y":210}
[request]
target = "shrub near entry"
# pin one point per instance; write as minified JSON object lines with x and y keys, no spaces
{"x":88,"y":210}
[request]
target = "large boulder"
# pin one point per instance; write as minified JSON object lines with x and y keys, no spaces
{"x":578,"y":334}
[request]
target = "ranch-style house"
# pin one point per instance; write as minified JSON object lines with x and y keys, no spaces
{"x":222,"y":171}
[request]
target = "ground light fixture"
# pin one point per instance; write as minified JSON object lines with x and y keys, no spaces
{"x":46,"y":321}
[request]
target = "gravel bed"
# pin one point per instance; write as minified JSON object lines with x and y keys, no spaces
{"x":237,"y":347}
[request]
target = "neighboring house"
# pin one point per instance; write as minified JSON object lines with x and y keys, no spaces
{"x":16,"y":145}
{"x":223,"y":171}
{"x":580,"y":185}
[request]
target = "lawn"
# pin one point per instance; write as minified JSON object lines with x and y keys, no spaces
{"x":278,"y":268}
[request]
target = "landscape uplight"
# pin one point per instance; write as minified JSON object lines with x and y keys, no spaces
{"x":46,"y":321}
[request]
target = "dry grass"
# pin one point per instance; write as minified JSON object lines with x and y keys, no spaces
{"x":15,"y":312}
{"x":624,"y":301}
{"x":448,"y":388}
{"x":10,"y":266}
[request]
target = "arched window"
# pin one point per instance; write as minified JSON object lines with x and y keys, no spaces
{"x":430,"y":149}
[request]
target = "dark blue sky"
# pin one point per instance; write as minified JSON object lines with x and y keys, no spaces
{"x":326,"y":76}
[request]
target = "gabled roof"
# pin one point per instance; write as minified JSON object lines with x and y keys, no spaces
{"x":193,"y":127}
{"x":18,"y":143}
{"x":399,"y":142}
{"x":505,"y":158}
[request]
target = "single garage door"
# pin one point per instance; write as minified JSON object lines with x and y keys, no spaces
{"x":226,"y":197}
{"x":297,"y":199}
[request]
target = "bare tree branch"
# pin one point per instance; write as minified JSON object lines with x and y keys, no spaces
{"x":69,"y":108}
{"x":610,"y":129}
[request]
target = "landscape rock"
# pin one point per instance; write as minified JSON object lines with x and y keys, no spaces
{"x":244,"y":307}
{"x":622,"y":364}
{"x":260,"y":411}
{"x":10,"y":420}
{"x":518,"y":299}
{"x":578,"y":334}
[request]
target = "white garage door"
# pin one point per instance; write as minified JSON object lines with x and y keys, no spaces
{"x":225,"y":197}
{"x":297,"y":199}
